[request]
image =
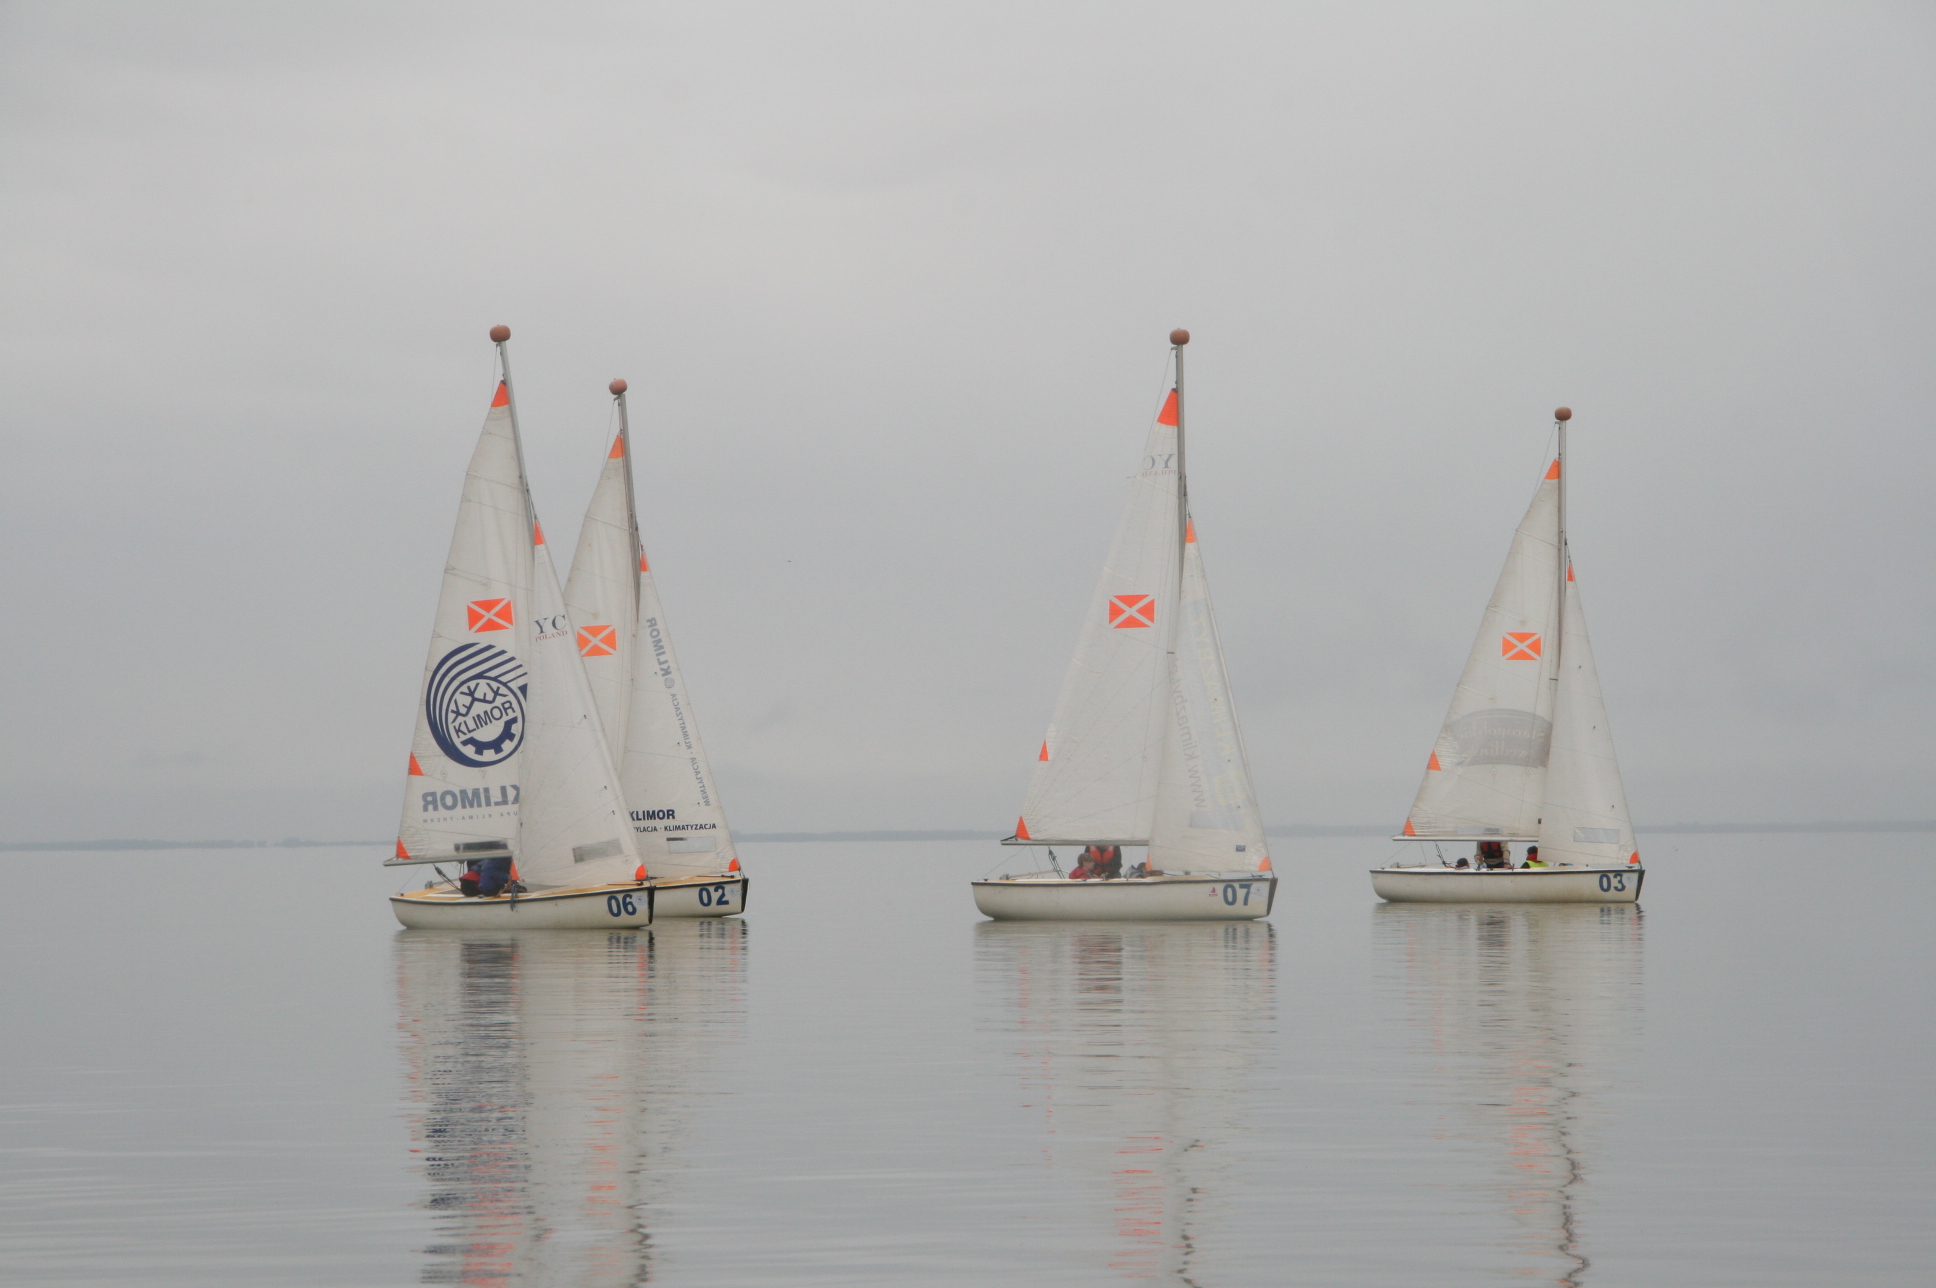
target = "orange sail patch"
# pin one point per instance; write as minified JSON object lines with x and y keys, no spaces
{"x":643,"y":565}
{"x":1126,"y":611}
{"x":401,"y":852}
{"x":1435,"y":762}
{"x":489,"y":614}
{"x":1021,"y":829}
{"x":1045,"y":750}
{"x":597,"y":641}
{"x":1168,"y":415}
{"x":416,"y":770}
{"x":1409,"y":829}
{"x":537,"y":533}
{"x":1190,"y":531}
{"x":618,"y":449}
{"x":503,"y":398}
{"x":1553,"y":471}
{"x":1519,"y":646}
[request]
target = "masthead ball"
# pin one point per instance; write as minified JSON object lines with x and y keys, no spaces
{"x":618,"y":387}
{"x":1563,"y":413}
{"x":1179,"y":336}
{"x":499,"y":334}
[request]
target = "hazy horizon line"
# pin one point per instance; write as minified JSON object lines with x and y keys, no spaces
{"x":954,"y":834}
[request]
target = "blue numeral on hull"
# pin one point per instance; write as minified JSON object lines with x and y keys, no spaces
{"x":620,"y":905}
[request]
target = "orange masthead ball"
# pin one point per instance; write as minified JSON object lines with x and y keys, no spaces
{"x":618,"y":387}
{"x":500,"y":334}
{"x":1179,"y":336}
{"x":1563,"y":413}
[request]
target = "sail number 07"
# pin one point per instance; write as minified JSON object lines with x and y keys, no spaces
{"x":1230,"y":893}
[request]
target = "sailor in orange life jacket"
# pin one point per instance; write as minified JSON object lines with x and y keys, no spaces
{"x":1099,"y":863}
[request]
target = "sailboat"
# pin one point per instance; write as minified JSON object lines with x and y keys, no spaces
{"x":509,"y":760}
{"x":1144,"y":748}
{"x":1525,"y":754}
{"x":678,"y":827}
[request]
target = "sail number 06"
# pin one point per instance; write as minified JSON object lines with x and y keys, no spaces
{"x":621,"y":905}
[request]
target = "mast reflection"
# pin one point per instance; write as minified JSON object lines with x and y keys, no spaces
{"x":1136,"y":1046}
{"x":1525,"y":1015}
{"x":550,"y":1075}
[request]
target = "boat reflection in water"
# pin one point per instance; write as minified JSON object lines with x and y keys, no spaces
{"x":1525,"y":1015}
{"x":1136,"y":1047}
{"x":552,"y":1074}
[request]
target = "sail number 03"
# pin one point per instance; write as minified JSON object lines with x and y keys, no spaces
{"x":1612,"y":881}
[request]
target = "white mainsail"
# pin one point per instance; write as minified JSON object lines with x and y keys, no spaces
{"x":468,"y":754}
{"x":1487,"y":774}
{"x":677,"y":824}
{"x":1206,"y":810}
{"x":1584,"y":820}
{"x":1096,"y":775}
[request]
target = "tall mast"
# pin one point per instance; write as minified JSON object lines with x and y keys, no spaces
{"x":501,"y":337}
{"x":1560,"y":416}
{"x":631,"y":504}
{"x":1179,"y":338}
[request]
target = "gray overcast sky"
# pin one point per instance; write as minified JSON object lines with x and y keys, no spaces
{"x":891,"y":284}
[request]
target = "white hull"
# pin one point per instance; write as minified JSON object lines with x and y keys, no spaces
{"x":1508,"y":885}
{"x":609,"y":907}
{"x":1230,"y":897}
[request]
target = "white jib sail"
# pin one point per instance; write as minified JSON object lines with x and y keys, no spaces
{"x":468,"y":756}
{"x":674,"y":816}
{"x":602,"y":594}
{"x":1585,"y":817}
{"x":1206,"y":809}
{"x":1487,"y":773}
{"x":574,"y":830}
{"x":1096,"y":775}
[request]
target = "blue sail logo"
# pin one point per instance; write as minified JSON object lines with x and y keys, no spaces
{"x":475,"y":701}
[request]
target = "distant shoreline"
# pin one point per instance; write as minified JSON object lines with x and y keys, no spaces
{"x":955,"y":835}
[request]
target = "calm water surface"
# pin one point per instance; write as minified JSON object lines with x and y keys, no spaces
{"x":232,"y":1067}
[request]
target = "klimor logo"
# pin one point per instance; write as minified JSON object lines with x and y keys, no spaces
{"x":475,"y":701}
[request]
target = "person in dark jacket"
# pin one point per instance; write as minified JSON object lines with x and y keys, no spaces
{"x":485,"y":876}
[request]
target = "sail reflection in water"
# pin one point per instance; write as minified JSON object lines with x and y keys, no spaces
{"x":553,"y":1075}
{"x":1136,"y":1047}
{"x":1525,"y":1015}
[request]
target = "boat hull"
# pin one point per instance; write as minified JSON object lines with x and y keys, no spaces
{"x":609,"y":907}
{"x":1206,"y":898}
{"x":1508,"y":885}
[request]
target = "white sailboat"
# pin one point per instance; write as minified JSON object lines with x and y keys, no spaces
{"x":1525,"y":754}
{"x":1144,"y":748}
{"x":679,"y":829}
{"x":509,"y":761}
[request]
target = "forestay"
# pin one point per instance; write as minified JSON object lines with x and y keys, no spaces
{"x":1487,"y":773}
{"x":1584,"y":820}
{"x":676,"y":822}
{"x":1096,"y":775}
{"x":1206,"y":809}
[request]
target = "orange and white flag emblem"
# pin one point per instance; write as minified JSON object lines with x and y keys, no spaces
{"x":1519,"y":646}
{"x":1126,"y":611}
{"x":597,"y":641}
{"x":489,"y":614}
